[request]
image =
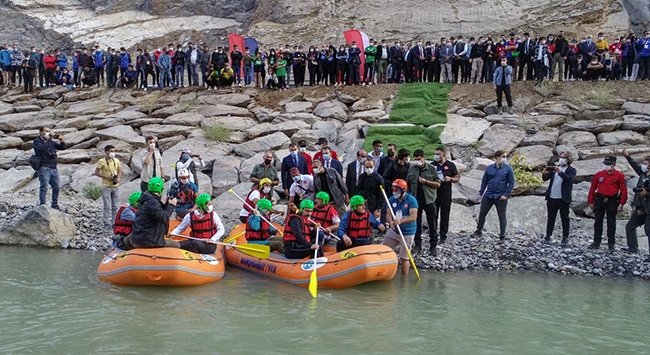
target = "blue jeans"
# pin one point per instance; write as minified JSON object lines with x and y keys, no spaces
{"x":237,"y":70}
{"x":248,"y":75}
{"x":48,"y":175}
{"x":165,"y":74}
{"x":179,"y":74}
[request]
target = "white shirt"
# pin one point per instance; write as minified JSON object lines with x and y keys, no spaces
{"x":556,"y":188}
{"x":377,"y":159}
{"x":186,"y":223}
{"x":193,"y":56}
{"x":304,"y":189}
{"x":180,"y":165}
{"x":254,"y":195}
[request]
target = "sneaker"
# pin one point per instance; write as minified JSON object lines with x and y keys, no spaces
{"x":593,"y":246}
{"x":477,"y":234}
{"x":565,"y":242}
{"x":509,"y":110}
{"x":433,"y":251}
{"x":611,"y":248}
{"x":547,"y":239}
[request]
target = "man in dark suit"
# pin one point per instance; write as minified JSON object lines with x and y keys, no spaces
{"x":417,"y":54}
{"x":429,"y":58}
{"x":330,"y":181}
{"x":396,"y":58}
{"x":388,"y":159}
{"x":526,"y":50}
{"x":294,"y":159}
{"x":329,"y":162}
{"x":354,"y":170}
{"x":558,"y":194}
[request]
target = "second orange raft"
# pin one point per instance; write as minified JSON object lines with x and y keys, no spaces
{"x":344,"y":269}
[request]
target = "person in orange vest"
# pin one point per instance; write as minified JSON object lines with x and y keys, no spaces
{"x":205,"y":224}
{"x":325,"y":213}
{"x":356,"y":225}
{"x":258,"y":231}
{"x":297,"y":233}
{"x":264,"y":190}
{"x":125,"y":216}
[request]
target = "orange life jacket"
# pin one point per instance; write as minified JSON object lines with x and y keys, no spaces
{"x":261,"y":234}
{"x":323,"y":216}
{"x":288,"y":233}
{"x":359,"y":225}
{"x":122,"y":227}
{"x":250,"y":203}
{"x":203,"y":227}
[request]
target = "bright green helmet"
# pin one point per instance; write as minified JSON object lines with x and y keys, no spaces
{"x":264,"y":205}
{"x":156,"y":184}
{"x":356,"y":200}
{"x":135,"y":198}
{"x":202,"y":200}
{"x":307,"y":204}
{"x":323,"y":196}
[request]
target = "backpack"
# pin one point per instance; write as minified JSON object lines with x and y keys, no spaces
{"x":35,"y":162}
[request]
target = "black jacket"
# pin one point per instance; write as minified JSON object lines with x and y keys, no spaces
{"x":151,"y":222}
{"x":640,"y":202}
{"x":567,"y":183}
{"x":46,"y":149}
{"x":561,"y":46}
{"x":369,"y":188}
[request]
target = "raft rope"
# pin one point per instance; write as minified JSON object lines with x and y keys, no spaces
{"x":158,"y":257}
{"x":328,"y":262}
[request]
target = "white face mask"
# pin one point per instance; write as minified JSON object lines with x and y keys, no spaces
{"x":326,"y":157}
{"x":296,"y":178}
{"x":111,"y":155}
{"x":316,"y":171}
{"x":436,"y":157}
{"x":369,"y":171}
{"x":209,"y":209}
{"x":397,"y":195}
{"x":266,"y":189}
{"x":562,"y":161}
{"x":47,"y":135}
{"x":318,"y":146}
{"x":418,"y":163}
{"x":361,"y":160}
{"x":504,"y":161}
{"x":152,"y":146}
{"x":608,"y":167}
{"x":644,"y":168}
{"x":303,"y":149}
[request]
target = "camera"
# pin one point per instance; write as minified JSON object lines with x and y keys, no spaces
{"x":645,"y":185}
{"x":55,"y":136}
{"x":114,"y":179}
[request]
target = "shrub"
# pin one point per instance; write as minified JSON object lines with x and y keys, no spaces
{"x":92,"y":191}
{"x":217,"y":132}
{"x":524,"y":175}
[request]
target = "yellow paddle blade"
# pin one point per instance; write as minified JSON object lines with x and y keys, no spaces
{"x":256,"y":250}
{"x":230,"y":190}
{"x":313,"y":283}
{"x":233,"y":238}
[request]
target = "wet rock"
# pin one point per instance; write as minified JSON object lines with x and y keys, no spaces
{"x":42,"y":226}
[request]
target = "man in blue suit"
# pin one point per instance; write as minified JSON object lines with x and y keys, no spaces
{"x":329,"y":161}
{"x":293,"y":160}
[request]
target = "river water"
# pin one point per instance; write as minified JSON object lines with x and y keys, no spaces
{"x":51,"y":301}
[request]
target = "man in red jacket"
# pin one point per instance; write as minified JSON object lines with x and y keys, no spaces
{"x":607,"y":195}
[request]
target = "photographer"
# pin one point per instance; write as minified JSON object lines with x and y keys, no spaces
{"x":639,"y":216}
{"x":558,"y":194}
{"x":109,"y":169}
{"x":45,"y":147}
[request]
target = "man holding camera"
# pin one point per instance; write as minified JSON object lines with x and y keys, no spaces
{"x":640,"y":203}
{"x":45,"y":147}
{"x":152,"y":165}
{"x":109,"y":169}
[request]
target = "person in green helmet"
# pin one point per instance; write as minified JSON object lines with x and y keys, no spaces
{"x":205,"y":224}
{"x":258,"y":231}
{"x":325,"y":213}
{"x":298,"y":231}
{"x":151,"y":219}
{"x":125,"y":215}
{"x":356,"y":225}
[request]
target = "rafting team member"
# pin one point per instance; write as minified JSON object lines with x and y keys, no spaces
{"x":205,"y":224}
{"x":185,"y":191}
{"x":258,"y":231}
{"x":125,"y":216}
{"x":263,"y":190}
{"x":607,"y":196}
{"x":297,"y":233}
{"x":301,"y":189}
{"x":356,"y":225}
{"x":151,"y":219}
{"x":325,"y":213}
{"x":405,"y":207}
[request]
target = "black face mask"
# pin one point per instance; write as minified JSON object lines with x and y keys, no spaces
{"x":268,"y":161}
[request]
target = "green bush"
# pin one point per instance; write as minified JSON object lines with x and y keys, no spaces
{"x":524,"y":175}
{"x":217,"y":133}
{"x":92,"y":191}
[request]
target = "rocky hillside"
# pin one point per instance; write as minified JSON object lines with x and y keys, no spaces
{"x":128,"y":23}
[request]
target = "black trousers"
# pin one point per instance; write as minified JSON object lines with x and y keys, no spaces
{"x":552,"y":207}
{"x":356,"y":242}
{"x":637,"y":219}
{"x":397,"y":72}
{"x":428,"y":72}
{"x":430,"y":210}
{"x":295,"y":251}
{"x":355,"y":75}
{"x":199,"y":247}
{"x":605,"y":206}
{"x":443,"y":210}
{"x":28,"y":80}
{"x":504,"y":89}
{"x":526,"y":60}
{"x":486,"y":206}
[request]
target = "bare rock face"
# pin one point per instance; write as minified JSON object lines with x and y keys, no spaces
{"x":42,"y":226}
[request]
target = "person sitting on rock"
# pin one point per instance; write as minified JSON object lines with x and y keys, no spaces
{"x":297,"y":233}
{"x":356,"y":225}
{"x":129,"y":78}
{"x":186,"y":161}
{"x":151,"y":220}
{"x":226,"y":76}
{"x":205,"y":224}
{"x":258,"y":231}
{"x":88,"y":77}
{"x":125,"y":216}
{"x":185,"y":191}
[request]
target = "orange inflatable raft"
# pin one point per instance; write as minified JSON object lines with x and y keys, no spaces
{"x":162,"y":266}
{"x":335,"y":270}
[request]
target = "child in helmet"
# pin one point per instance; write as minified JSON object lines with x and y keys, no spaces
{"x":297,"y":233}
{"x":185,"y":191}
{"x":205,"y":224}
{"x":259,"y":231}
{"x":356,"y":225}
{"x":125,"y":216}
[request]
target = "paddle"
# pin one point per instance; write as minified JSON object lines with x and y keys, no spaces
{"x":252,"y":208}
{"x":408,"y":251}
{"x":234,"y":237}
{"x":256,"y":250}
{"x":324,"y":230}
{"x":313,"y":278}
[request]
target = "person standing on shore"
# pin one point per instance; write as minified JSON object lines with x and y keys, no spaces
{"x":558,"y":195}
{"x":447,"y":174}
{"x":45,"y":149}
{"x":501,"y":83}
{"x":640,"y":203}
{"x":405,"y":208}
{"x":422,"y":178}
{"x":109,"y":170}
{"x":607,"y":196}
{"x":496,"y":186}
{"x":152,"y":165}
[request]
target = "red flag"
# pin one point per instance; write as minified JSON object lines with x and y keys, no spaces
{"x":362,"y":42}
{"x":235,"y":39}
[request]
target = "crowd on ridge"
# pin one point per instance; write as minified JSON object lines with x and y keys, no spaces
{"x":449,"y":60}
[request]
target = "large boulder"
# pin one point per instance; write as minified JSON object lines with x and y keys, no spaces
{"x":621,"y":138}
{"x":103,"y":123}
{"x":127,"y":116}
{"x":123,"y":133}
{"x":529,"y":121}
{"x":332,"y":109}
{"x":207,"y":149}
{"x":365,"y":105}
{"x":42,"y":226}
{"x":6,"y":108}
{"x":545,"y":136}
{"x":298,"y":116}
{"x":288,"y":128}
{"x":635,"y":107}
{"x":92,"y":107}
{"x":10,"y":158}
{"x":78,"y":122}
{"x":234,"y":99}
{"x":74,"y":156}
{"x":228,"y":205}
{"x":463,"y":131}
{"x":578,"y":139}
{"x":537,"y":156}
{"x":14,"y":179}
{"x":185,"y":119}
{"x":80,"y":95}
{"x":594,"y":127}
{"x":553,"y":108}
{"x":639,"y":123}
{"x":52,"y":93}
{"x":10,"y":142}
{"x":232,"y":123}
{"x":598,"y":115}
{"x":298,"y":106}
{"x":585,"y":169}
{"x":500,"y":137}
{"x":225,"y":173}
{"x":26,"y":120}
{"x":164,"y":131}
{"x":271,"y":142}
{"x":75,"y":138}
{"x":461,"y":219}
{"x":374,"y":115}
{"x":222,"y":110}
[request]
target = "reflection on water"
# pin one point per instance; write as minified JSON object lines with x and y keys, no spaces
{"x":52,"y":302}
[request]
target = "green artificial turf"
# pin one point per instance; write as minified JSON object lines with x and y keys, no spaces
{"x":411,"y":138}
{"x":421,"y":104}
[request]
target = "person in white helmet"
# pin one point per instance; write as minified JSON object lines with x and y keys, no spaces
{"x":186,"y":161}
{"x":185,"y":192}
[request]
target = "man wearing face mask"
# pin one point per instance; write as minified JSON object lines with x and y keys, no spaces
{"x":262,"y":190}
{"x":388,"y":159}
{"x":381,"y":58}
{"x":377,"y":153}
{"x":398,"y":169}
{"x":369,"y":188}
{"x":45,"y":147}
{"x":643,"y":48}
{"x":186,"y":161}
{"x":501,"y":82}
{"x":205,"y":224}
{"x":640,"y":203}
{"x":558,"y":195}
{"x":302,"y":146}
{"x":302,"y":188}
{"x":152,"y":165}
{"x":447,"y":174}
{"x":446,"y":56}
{"x":291,"y":161}
{"x":320,"y":144}
{"x":331,"y":182}
{"x":354,"y":171}
{"x":329,"y":162}
{"x":405,"y":207}
{"x":423,"y":179}
{"x":266,"y":169}
{"x":110,"y":170}
{"x":396,"y":57}
{"x":607,"y":196}
{"x":496,"y":186}
{"x":185,"y":192}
